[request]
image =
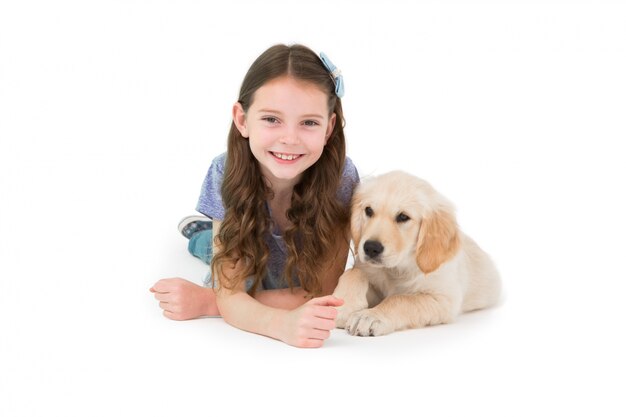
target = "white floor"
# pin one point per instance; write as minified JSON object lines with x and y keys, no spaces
{"x":110,"y":114}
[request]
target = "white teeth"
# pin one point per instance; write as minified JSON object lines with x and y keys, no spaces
{"x":286,"y":157}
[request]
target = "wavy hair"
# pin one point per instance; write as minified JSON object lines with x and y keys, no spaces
{"x":315,"y":214}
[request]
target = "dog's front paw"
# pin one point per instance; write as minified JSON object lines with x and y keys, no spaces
{"x":368,"y":323}
{"x":343,"y":313}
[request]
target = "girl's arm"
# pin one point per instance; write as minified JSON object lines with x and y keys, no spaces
{"x":307,"y":325}
{"x":181,"y":299}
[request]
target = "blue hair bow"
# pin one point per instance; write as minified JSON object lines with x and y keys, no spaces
{"x":335,"y":73}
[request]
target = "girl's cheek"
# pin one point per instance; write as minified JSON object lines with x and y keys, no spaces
{"x":318,"y":137}
{"x":266,"y":135}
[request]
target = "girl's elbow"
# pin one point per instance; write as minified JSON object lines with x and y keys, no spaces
{"x":227,"y":304}
{"x":223,"y":305}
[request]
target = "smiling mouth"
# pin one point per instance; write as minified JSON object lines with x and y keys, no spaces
{"x":286,"y":156}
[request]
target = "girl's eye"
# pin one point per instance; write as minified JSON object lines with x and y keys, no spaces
{"x":311,"y":123}
{"x":270,"y":119}
{"x":369,"y":212}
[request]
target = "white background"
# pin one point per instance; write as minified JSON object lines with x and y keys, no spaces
{"x":111,"y":111}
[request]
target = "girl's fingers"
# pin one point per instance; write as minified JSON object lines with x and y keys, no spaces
{"x":157,"y":287}
{"x":325,"y":312}
{"x":319,"y":334}
{"x":165,"y":285}
{"x":162,"y":296}
{"x":324,"y":324}
{"x":329,"y":300}
{"x":312,"y":343}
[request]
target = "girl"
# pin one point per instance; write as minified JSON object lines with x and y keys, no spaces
{"x":279,"y":203}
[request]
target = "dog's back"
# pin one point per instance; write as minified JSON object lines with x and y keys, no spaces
{"x":483,"y":279}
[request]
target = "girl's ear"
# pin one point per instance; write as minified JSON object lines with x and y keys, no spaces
{"x":331,"y":126}
{"x":438,"y":241}
{"x":239,"y":118}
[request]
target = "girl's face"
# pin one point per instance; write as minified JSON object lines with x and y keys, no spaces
{"x":288,"y":126}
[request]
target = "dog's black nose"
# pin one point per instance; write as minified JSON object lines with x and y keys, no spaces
{"x":373,"y":248}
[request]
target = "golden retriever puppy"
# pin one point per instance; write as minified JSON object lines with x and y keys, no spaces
{"x":413,"y":267}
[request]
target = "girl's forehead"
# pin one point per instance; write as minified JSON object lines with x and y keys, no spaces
{"x":290,"y":93}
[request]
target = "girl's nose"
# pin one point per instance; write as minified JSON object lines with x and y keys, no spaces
{"x":290,"y":137}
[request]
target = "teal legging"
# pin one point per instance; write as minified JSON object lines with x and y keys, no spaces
{"x":201,"y":245}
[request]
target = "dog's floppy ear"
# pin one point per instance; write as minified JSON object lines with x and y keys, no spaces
{"x":438,"y":240}
{"x":356,"y":218}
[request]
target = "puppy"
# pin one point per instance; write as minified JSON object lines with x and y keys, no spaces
{"x":413,"y":267}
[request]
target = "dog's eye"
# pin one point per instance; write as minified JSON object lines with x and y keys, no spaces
{"x":368,"y":211}
{"x":401,"y":218}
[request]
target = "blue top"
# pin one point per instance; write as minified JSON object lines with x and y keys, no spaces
{"x":210,"y":204}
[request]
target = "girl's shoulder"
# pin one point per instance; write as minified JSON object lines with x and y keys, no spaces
{"x":349,"y":169}
{"x":349,"y":180}
{"x":218,"y":163}
{"x":210,"y":201}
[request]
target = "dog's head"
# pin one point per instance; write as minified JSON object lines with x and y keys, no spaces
{"x":399,"y":220}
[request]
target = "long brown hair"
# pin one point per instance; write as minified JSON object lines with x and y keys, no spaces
{"x":317,"y":217}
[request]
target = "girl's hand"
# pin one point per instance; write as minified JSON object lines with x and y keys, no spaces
{"x":310,"y":324}
{"x":183,"y":300}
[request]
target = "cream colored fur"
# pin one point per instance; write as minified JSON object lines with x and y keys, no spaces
{"x":428,"y":271}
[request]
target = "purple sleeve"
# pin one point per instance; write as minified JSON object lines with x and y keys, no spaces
{"x":210,"y":201}
{"x":349,"y":181}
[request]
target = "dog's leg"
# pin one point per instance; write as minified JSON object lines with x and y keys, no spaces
{"x":352,"y":288}
{"x":398,"y":312}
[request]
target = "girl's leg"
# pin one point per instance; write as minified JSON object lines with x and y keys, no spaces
{"x":201,"y":245}
{"x":199,"y":231}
